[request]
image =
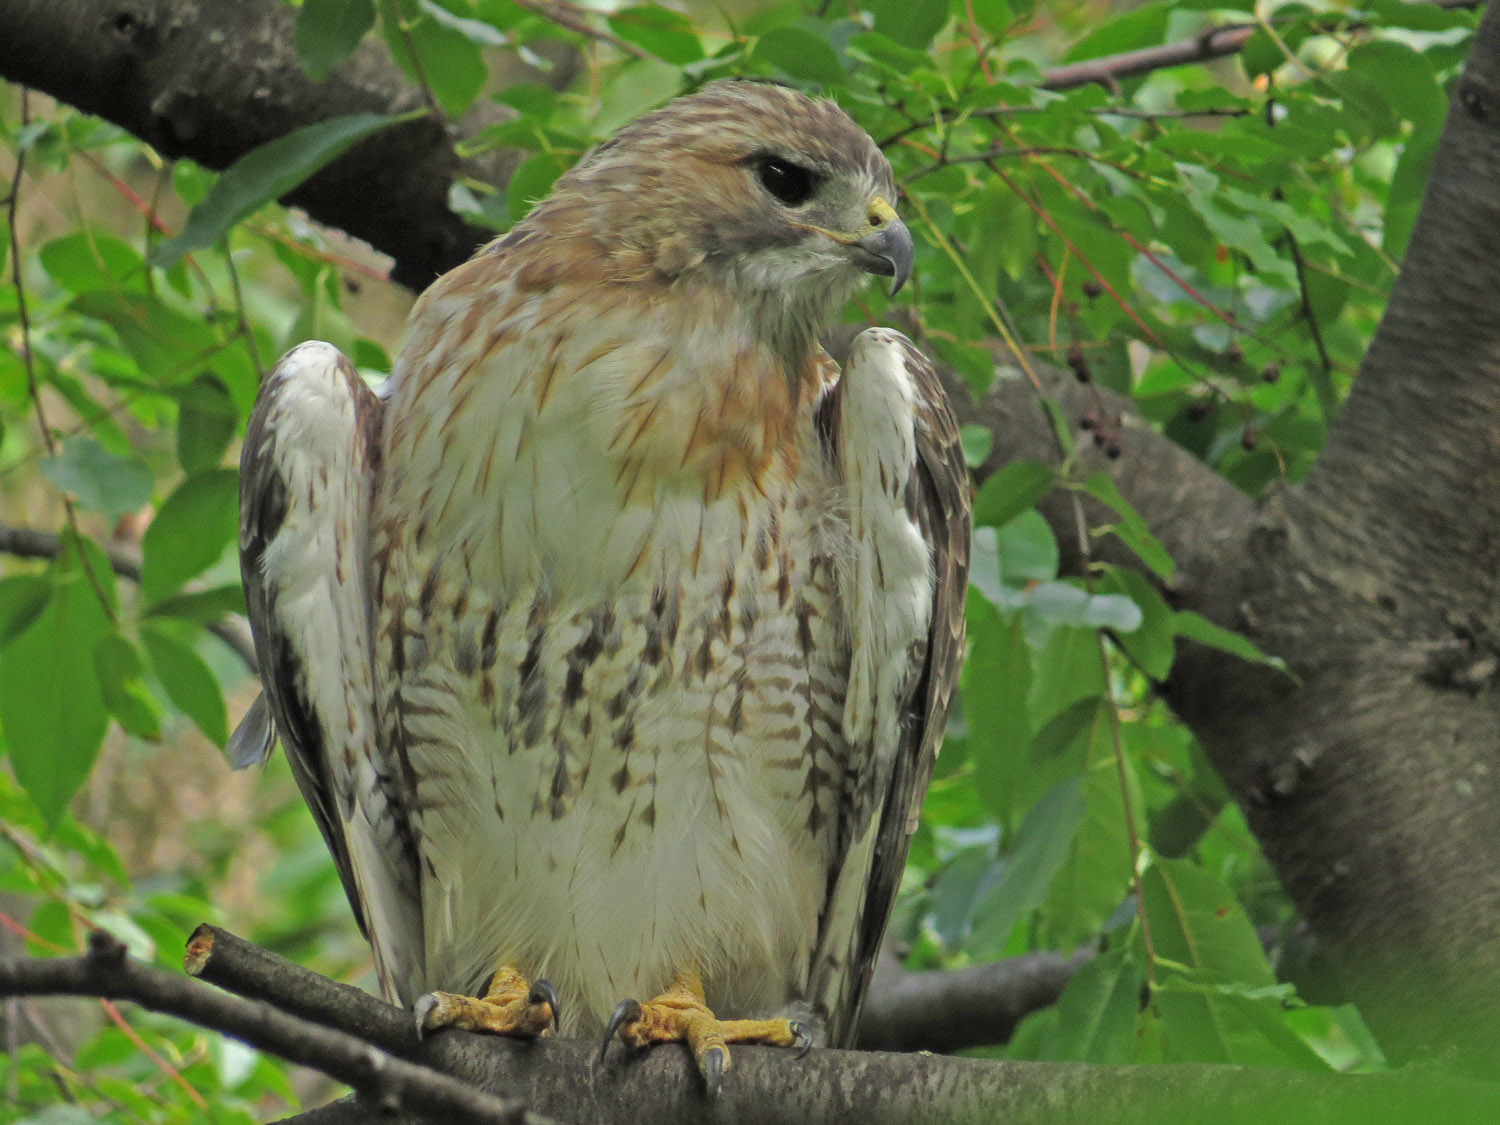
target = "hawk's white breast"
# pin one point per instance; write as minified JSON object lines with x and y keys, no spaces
{"x":620,"y":704}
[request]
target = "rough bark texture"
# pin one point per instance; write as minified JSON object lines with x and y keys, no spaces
{"x":560,"y":1079}
{"x":1374,"y":786}
{"x":566,"y":1080}
{"x":1373,"y":782}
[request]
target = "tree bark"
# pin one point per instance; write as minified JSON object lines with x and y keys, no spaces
{"x":1374,"y":784}
{"x":1372,"y":780}
{"x":213,"y":81}
{"x":299,"y":1015}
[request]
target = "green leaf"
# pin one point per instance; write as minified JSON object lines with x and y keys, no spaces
{"x":121,"y":683}
{"x":1062,"y":749}
{"x":98,"y":479}
{"x":1027,"y":549}
{"x":94,"y":849}
{"x":480,"y":32}
{"x":1408,"y":183}
{"x":188,"y":682}
{"x":994,"y":16}
{"x":1041,"y":846}
{"x":202,"y":606}
{"x":269,"y":172}
{"x":531,"y":182}
{"x":1261,"y":54}
{"x":1067,"y":670}
{"x":169,"y":347}
{"x":800,"y":55}
{"x":1199,"y":927}
{"x":1095,"y":875}
{"x":1011,"y":490}
{"x":976,"y":441}
{"x":327,"y":31}
{"x":1062,"y":428}
{"x":1097,"y":1012}
{"x":664,"y":33}
{"x":206,"y":421}
{"x":189,"y":531}
{"x":912,"y":23}
{"x":447,"y":57}
{"x":51,"y":707}
{"x":1062,"y":603}
{"x":1196,"y":627}
{"x":87,"y":260}
{"x":23,"y":597}
{"x":996,"y":686}
{"x":1197,"y":923}
{"x":1150,"y":646}
{"x":1143,"y":27}
{"x":962,"y":879}
{"x":1131,"y":529}
{"x":643,"y":84}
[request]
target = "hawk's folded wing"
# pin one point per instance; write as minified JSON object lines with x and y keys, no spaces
{"x":307,"y":474}
{"x":889,"y":432}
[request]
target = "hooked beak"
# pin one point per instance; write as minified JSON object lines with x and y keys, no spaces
{"x":887,"y":250}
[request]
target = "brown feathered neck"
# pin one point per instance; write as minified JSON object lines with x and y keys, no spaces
{"x":671,"y":201}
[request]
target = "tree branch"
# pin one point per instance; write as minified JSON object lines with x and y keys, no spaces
{"x":1371,"y":783}
{"x":105,"y":971}
{"x":213,"y":81}
{"x":951,"y":1009}
{"x":563,"y":1077}
{"x":1108,"y":70}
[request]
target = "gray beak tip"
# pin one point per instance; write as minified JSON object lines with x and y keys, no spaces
{"x":889,"y":253}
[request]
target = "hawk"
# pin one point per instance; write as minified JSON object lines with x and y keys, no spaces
{"x":612,"y":640}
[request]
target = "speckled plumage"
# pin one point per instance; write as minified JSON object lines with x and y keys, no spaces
{"x":649,"y":616}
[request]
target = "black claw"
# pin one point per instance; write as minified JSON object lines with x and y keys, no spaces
{"x":803,"y":1041}
{"x":713,"y":1070}
{"x":542,"y":992}
{"x":626,"y":1011}
{"x":425,"y":1003}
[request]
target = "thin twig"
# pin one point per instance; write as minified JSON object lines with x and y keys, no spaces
{"x":957,"y":259}
{"x":1051,"y":223}
{"x":565,"y":16}
{"x":146,"y":1049}
{"x":1216,"y":43}
{"x":244,"y":318}
{"x":13,"y":201}
{"x":48,"y":441}
{"x":391,"y":11}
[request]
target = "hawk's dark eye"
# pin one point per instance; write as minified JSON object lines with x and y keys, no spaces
{"x":788,"y":182}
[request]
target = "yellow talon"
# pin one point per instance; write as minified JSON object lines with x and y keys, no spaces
{"x":679,"y":1015}
{"x":509,"y":1007}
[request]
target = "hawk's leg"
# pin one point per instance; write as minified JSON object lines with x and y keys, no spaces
{"x":509,"y":1007}
{"x":679,"y":1015}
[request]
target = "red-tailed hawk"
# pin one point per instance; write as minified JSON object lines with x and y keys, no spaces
{"x":612,"y":641}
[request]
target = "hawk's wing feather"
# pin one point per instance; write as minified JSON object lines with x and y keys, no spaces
{"x":934,"y":502}
{"x":307,"y":474}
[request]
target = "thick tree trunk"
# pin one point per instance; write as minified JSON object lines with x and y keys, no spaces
{"x":1374,"y":786}
{"x":1373,"y":781}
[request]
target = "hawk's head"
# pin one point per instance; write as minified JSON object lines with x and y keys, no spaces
{"x":779,"y":198}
